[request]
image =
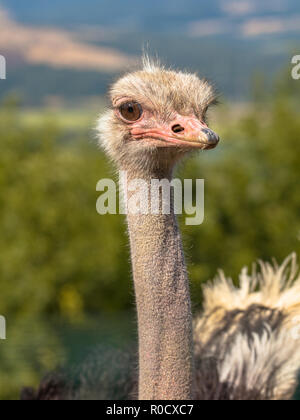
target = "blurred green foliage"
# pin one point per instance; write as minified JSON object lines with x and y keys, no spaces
{"x":60,"y":260}
{"x":252,"y":189}
{"x":58,"y":257}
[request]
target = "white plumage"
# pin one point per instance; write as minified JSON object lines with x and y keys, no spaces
{"x":252,"y":332}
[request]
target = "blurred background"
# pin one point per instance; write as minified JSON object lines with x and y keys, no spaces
{"x":65,"y":282}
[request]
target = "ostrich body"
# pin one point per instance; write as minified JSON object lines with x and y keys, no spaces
{"x":245,"y":343}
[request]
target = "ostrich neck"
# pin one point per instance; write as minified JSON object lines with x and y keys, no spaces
{"x":163,"y":304}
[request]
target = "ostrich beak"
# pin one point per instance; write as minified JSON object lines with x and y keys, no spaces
{"x":186,"y":132}
{"x":192,"y":130}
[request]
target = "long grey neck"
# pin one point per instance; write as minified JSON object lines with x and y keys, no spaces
{"x":163,"y":305}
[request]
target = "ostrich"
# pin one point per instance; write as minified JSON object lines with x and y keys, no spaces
{"x":158,"y":117}
{"x":244,"y":345}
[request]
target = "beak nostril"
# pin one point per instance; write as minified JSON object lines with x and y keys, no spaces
{"x":177,"y":128}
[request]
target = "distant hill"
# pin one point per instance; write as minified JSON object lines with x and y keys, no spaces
{"x":75,"y":48}
{"x":56,"y":47}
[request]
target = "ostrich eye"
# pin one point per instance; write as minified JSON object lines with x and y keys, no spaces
{"x":131,"y":111}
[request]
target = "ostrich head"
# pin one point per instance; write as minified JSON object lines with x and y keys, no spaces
{"x":156,"y":117}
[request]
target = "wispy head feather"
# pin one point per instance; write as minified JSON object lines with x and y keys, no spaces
{"x":150,"y":64}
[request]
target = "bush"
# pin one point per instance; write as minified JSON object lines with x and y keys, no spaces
{"x":60,"y":260}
